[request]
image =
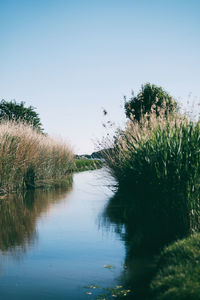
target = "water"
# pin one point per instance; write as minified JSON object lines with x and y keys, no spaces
{"x":54,"y":243}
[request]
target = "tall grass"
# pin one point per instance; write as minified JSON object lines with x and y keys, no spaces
{"x":159,"y":158}
{"x":28,"y":157}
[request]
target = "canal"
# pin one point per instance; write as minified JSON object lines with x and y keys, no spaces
{"x":56,"y":244}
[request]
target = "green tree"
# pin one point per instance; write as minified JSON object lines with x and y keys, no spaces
{"x":150,"y":97}
{"x":11,"y":110}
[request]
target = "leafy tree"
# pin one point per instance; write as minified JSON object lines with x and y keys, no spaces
{"x":150,"y":97}
{"x":11,"y":110}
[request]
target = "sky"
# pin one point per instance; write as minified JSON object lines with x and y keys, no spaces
{"x":71,"y":59}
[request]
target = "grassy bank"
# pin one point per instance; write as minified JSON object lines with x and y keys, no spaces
{"x":178,"y":271}
{"x":86,"y":164}
{"x":156,"y":165}
{"x":29,"y":158}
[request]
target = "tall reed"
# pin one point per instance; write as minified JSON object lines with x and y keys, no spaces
{"x":28,"y":157}
{"x":159,"y":158}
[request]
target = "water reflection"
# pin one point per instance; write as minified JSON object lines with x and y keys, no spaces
{"x":19,"y":214}
{"x":144,"y":230}
{"x":64,"y":248}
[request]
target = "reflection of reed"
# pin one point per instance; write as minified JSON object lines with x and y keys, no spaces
{"x":19,"y":214}
{"x":139,"y":263}
{"x":144,"y":235}
{"x":144,"y":226}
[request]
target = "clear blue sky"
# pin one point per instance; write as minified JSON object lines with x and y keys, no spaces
{"x":71,"y":58}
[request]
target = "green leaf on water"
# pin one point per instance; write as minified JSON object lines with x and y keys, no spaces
{"x":92,"y":286}
{"x":109,"y":267}
{"x":88,"y":293}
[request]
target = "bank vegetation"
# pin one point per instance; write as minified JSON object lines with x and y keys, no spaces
{"x":29,"y":158}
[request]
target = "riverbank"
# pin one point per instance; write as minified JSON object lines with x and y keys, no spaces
{"x":82,"y":164}
{"x":30,"y":159}
{"x":156,"y":165}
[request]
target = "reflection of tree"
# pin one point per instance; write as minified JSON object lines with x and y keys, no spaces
{"x":19,"y":214}
{"x":145,"y":231}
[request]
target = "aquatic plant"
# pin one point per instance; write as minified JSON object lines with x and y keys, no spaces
{"x":158,"y":159}
{"x":29,"y":158}
{"x":108,"y":293}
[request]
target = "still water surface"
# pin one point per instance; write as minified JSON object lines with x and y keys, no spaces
{"x":54,"y":243}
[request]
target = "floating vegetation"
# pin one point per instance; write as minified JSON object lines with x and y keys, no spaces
{"x":110,"y":267}
{"x":118,"y":291}
{"x":91,"y":286}
{"x":108,"y":293}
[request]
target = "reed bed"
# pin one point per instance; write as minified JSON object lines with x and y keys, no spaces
{"x":159,"y":158}
{"x":28,"y":157}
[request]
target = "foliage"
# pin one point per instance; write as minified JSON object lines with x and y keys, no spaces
{"x":151,"y":97}
{"x":179,"y":272}
{"x":11,"y":110}
{"x":28,"y":158}
{"x":101,"y":293}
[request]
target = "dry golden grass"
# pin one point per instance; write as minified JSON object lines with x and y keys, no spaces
{"x":27,"y":156}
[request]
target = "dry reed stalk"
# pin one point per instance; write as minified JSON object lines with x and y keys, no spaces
{"x":27,"y":155}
